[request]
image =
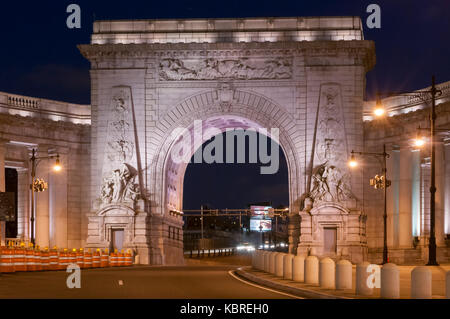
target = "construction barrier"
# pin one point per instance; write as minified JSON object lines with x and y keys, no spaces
{"x":19,"y":259}
{"x":120,"y":259}
{"x":26,"y":257}
{"x":63,"y":259}
{"x":113,"y":259}
{"x":31,"y":266}
{"x":6,"y":260}
{"x":128,"y":258}
{"x":104,"y":259}
{"x":96,"y":259}
{"x":80,"y":258}
{"x":38,"y":259}
{"x":45,"y":259}
{"x":72,"y":257}
{"x":87,"y":259}
{"x":53,"y":258}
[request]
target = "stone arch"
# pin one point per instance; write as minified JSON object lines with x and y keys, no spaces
{"x":251,"y":109}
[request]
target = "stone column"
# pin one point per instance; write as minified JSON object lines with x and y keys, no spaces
{"x":390,"y":201}
{"x":57,"y":190}
{"x":2,"y":188}
{"x":2,"y":164}
{"x":23,"y":203}
{"x":42,"y":200}
{"x":405,"y":202}
{"x":447,"y":186}
{"x":440,"y":192}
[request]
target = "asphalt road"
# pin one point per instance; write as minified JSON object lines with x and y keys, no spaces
{"x":193,"y":281}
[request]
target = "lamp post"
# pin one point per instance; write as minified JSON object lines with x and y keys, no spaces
{"x":38,"y":185}
{"x":378,"y":182}
{"x":419,"y":142}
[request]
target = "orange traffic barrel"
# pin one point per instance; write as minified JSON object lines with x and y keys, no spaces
{"x":38,"y":258}
{"x":45,"y":259}
{"x":128,"y":258}
{"x":104,"y":259}
{"x":19,"y":258}
{"x":96,"y":258}
{"x":31,"y":266}
{"x":73,"y":256}
{"x":121,"y":258}
{"x":80,"y":256}
{"x":53,"y":259}
{"x":6,"y":260}
{"x":87,"y":259}
{"x":113,"y":260}
{"x":63,"y":259}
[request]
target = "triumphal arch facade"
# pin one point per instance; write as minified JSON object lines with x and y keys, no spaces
{"x":304,"y":76}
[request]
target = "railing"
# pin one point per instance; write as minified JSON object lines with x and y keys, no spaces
{"x":23,"y":102}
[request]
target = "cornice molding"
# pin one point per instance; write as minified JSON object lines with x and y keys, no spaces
{"x":364,"y":50}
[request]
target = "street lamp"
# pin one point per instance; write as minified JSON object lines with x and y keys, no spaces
{"x":378,"y":182}
{"x":37,"y":184}
{"x":420,"y":142}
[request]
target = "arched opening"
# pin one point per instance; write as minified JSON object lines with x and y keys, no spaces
{"x":209,"y":113}
{"x":231,"y":163}
{"x":203,"y":133}
{"x":232,"y":184}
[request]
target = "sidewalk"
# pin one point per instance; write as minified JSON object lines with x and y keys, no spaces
{"x":310,"y":291}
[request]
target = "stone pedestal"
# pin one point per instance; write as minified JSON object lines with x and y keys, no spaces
{"x":351,"y":240}
{"x":132,"y":219}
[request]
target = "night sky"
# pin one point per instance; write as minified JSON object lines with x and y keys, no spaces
{"x":38,"y":57}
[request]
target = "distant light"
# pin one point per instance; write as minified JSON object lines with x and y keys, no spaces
{"x":57,"y":167}
{"x":245,"y":247}
{"x":352,"y":163}
{"x":379,"y":111}
{"x":419,"y":142}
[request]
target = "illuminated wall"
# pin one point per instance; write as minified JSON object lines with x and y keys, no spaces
{"x":415,"y":192}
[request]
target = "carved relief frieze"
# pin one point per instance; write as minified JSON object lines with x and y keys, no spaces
{"x":330,"y":181}
{"x":174,"y":69}
{"x":119,"y":172}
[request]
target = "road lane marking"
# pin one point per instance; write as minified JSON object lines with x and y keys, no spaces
{"x":231,"y":273}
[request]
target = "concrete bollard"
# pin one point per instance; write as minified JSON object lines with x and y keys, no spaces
{"x":272,"y":262}
{"x":255,"y":259}
{"x":390,"y":281}
{"x":312,"y":270}
{"x":447,"y":285}
{"x":279,"y":259}
{"x":361,"y":280}
{"x":298,"y":268}
{"x":343,"y":274}
{"x":421,"y":279}
{"x":266,"y":261}
{"x":256,"y":255}
{"x":261,"y":260}
{"x":258,"y":259}
{"x":327,"y":273}
{"x":287,"y":266}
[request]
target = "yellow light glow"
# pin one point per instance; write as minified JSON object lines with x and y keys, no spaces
{"x":352,"y":163}
{"x":419,"y":142}
{"x":379,"y":111}
{"x":57,"y":167}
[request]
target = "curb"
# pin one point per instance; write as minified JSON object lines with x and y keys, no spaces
{"x":301,"y":292}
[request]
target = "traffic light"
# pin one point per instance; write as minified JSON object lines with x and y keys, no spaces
{"x":379,"y":182}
